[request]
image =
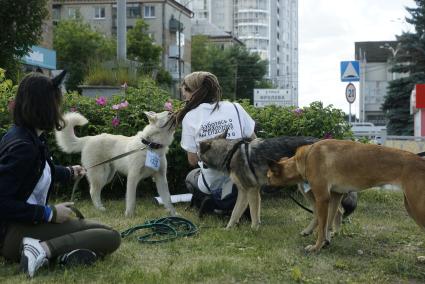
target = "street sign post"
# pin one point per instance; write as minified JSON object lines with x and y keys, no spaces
{"x":350,"y":95}
{"x":350,"y":71}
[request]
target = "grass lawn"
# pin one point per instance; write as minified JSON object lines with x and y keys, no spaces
{"x":380,"y":245}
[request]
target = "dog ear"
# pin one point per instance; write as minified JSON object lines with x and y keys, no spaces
{"x":151,"y":116}
{"x":275,"y":168}
{"x":57,"y":81}
{"x":204,"y":146}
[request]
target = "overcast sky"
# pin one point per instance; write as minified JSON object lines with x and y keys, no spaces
{"x":327,"y":32}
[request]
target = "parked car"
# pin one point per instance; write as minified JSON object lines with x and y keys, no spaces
{"x":370,"y":131}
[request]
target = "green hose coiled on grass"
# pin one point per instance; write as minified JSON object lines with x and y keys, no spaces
{"x":163,"y":230}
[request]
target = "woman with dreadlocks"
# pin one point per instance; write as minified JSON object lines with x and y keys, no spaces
{"x":203,"y":117}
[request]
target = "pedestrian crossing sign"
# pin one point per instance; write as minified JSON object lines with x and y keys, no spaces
{"x":350,"y":71}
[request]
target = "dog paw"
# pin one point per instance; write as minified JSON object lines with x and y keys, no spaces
{"x":311,"y":249}
{"x":255,"y":227}
{"x":306,"y":233}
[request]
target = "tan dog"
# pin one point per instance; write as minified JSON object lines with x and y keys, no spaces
{"x":335,"y":167}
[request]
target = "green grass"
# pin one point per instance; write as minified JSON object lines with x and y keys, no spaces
{"x":380,"y":245}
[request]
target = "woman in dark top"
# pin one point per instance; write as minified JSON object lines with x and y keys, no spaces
{"x":31,"y":230}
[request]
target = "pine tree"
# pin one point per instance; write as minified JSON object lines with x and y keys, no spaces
{"x":408,"y":60}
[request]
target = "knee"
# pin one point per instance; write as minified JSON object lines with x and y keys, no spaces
{"x":115,"y":241}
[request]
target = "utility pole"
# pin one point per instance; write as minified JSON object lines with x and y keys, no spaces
{"x":121,"y":30}
{"x":180,"y":29}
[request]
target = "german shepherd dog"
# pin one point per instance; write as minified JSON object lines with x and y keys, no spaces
{"x":155,"y":138}
{"x":333,"y":167}
{"x":246,"y":162}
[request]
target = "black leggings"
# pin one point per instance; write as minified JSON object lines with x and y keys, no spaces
{"x":61,"y":238}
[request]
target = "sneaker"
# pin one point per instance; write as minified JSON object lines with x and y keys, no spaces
{"x":33,"y":256}
{"x":207,"y":206}
{"x":78,"y":257}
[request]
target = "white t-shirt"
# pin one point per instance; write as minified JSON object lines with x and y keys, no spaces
{"x":200,"y":124}
{"x":39,"y":194}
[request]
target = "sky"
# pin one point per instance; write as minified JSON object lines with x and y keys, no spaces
{"x":328,"y":30}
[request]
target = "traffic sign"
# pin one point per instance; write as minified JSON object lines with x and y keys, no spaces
{"x":350,"y":71}
{"x":350,"y":93}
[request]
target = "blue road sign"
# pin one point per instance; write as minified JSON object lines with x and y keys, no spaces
{"x":350,"y":71}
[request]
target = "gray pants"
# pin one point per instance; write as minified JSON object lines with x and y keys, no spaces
{"x":192,"y":180}
{"x":61,"y":238}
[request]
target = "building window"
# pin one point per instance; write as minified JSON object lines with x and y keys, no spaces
{"x":99,"y":12}
{"x":72,"y":13}
{"x":56,"y":14}
{"x":133,"y":11}
{"x":149,"y":12}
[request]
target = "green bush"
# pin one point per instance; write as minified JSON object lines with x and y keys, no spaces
{"x":315,"y":120}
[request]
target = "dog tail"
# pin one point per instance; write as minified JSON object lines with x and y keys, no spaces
{"x":66,"y":139}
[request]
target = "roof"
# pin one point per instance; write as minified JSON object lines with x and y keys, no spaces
{"x":375,"y":51}
{"x":203,"y":27}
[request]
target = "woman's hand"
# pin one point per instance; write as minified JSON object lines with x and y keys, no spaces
{"x":62,"y":212}
{"x":77,"y":171}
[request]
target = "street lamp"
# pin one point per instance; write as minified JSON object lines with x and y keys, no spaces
{"x":394,"y":52}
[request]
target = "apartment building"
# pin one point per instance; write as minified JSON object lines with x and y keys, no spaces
{"x":375,"y":64}
{"x":267,"y":27}
{"x":169,"y":24}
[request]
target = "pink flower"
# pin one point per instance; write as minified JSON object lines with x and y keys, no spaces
{"x":115,"y":121}
{"x":101,"y":101}
{"x":328,"y":135}
{"x":168,"y":105}
{"x":298,"y":111}
{"x":120,"y":106}
{"x":72,"y":109}
{"x":124,"y":104}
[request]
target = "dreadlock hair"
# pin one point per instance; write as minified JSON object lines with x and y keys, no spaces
{"x":205,"y":88}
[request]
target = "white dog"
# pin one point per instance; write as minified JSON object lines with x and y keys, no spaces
{"x":149,"y":162}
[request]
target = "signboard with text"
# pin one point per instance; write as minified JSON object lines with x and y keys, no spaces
{"x":278,"y":97}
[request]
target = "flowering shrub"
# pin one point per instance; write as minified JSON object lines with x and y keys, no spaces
{"x":123,"y":114}
{"x":314,"y":120}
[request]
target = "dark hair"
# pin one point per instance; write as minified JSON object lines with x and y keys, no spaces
{"x":209,"y":92}
{"x":37,"y":104}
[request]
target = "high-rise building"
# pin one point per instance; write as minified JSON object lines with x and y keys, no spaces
{"x":268,"y":27}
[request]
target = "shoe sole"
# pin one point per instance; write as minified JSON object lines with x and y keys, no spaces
{"x":80,"y":257}
{"x":23,"y":264}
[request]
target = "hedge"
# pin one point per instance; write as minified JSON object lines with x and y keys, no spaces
{"x":123,"y":114}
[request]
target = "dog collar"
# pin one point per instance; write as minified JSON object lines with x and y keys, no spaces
{"x":152,"y":145}
{"x":230,"y":154}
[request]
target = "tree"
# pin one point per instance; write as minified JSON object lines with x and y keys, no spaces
{"x":250,"y":70}
{"x":21,"y":23}
{"x":141,"y":47}
{"x":77,"y":47}
{"x":237,"y":70}
{"x":409,"y":60}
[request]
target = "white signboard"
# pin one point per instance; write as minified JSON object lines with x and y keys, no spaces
{"x":279,"y":97}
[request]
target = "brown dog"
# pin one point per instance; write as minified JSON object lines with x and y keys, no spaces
{"x":335,"y":167}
